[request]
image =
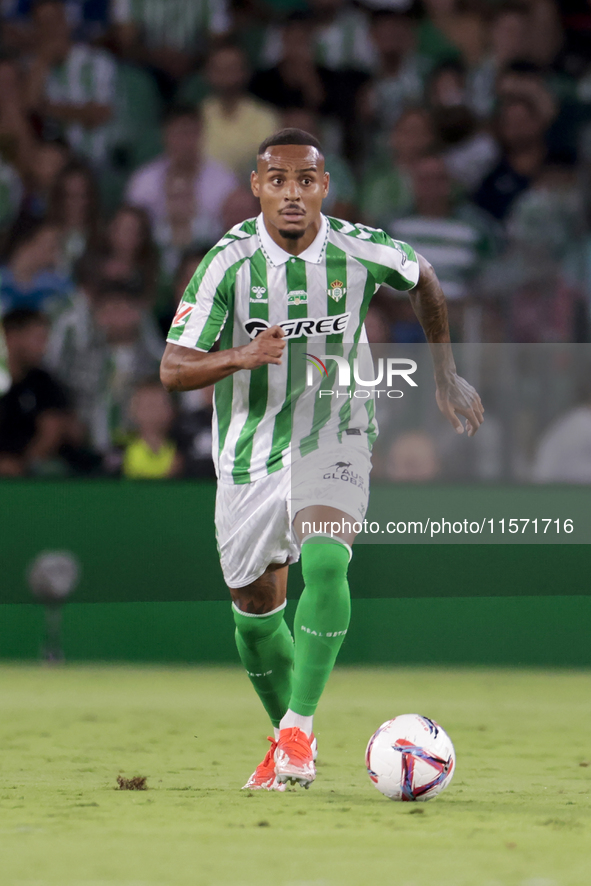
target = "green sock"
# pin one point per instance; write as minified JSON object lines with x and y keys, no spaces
{"x":321,"y":620}
{"x":265,"y":647}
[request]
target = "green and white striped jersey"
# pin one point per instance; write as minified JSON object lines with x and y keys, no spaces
{"x":247,"y":283}
{"x":179,"y":24}
{"x":86,"y":75}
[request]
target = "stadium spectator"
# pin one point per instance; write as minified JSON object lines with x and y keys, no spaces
{"x":102,"y":371}
{"x":168,"y":36}
{"x":549,"y":217}
{"x":412,"y":458}
{"x":74,"y":208}
{"x":234,"y":123}
{"x":537,"y":278}
{"x":194,"y":432}
{"x":521,"y":130}
{"x":4,"y":374}
{"x":470,"y":150}
{"x":151,"y":453}
{"x":193,"y":423}
{"x":129,"y":252}
{"x":238,"y":206}
{"x":71,"y":332}
{"x":509,"y":41}
{"x":339,"y":38}
{"x":11,"y":193}
{"x":576,"y":22}
{"x":31,"y":277}
{"x":386,"y":188}
{"x":399,"y":78}
{"x":34,"y":411}
{"x":564,"y":451}
{"x":447,"y":233}
{"x":450,"y":29}
{"x":447,"y":86}
{"x":88,"y":19}
{"x":180,"y":229}
{"x":211,"y":182}
{"x":48,"y":159}
{"x":297,"y":80}
{"x":169,"y":302}
{"x":71,"y":84}
{"x":17,"y":137}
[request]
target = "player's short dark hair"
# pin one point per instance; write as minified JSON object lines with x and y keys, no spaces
{"x":21,"y":318}
{"x":289,"y":137}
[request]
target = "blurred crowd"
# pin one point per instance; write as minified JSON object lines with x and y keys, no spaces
{"x":128,"y":129}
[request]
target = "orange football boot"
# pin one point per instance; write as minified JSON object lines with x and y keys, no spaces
{"x":264,"y":775}
{"x":294,"y":758}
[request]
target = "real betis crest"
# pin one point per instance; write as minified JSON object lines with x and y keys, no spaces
{"x":337,"y":290}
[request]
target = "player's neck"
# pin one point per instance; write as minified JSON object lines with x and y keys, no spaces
{"x":294,"y":247}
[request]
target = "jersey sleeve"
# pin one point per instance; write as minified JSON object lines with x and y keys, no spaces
{"x":400,"y":268}
{"x":203,"y":309}
{"x":388,"y":261}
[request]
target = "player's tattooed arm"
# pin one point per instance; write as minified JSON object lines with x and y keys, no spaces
{"x":453,"y":393}
{"x":429,"y":305}
{"x":184,"y":369}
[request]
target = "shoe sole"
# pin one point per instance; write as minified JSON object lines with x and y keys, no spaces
{"x":304,"y":780}
{"x":274,"y":786}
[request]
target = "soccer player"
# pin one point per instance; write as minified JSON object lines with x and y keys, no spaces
{"x":292,"y":262}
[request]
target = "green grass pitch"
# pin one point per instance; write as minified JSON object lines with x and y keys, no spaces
{"x":517,"y":813}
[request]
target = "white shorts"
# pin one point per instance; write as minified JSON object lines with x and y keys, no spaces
{"x":253,"y":520}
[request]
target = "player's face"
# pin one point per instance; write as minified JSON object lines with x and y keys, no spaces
{"x":291,"y":183}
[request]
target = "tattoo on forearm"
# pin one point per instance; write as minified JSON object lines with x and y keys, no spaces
{"x":429,"y":305}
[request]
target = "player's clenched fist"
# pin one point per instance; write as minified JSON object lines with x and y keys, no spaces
{"x":267,"y":347}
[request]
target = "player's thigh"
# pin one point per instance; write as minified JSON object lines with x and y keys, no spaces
{"x":265,"y":594}
{"x":330,"y":489}
{"x":253,"y":533}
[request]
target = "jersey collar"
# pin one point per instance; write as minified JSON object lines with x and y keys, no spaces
{"x":278,"y":256}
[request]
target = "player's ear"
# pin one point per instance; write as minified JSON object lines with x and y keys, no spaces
{"x":326,"y":184}
{"x":254,"y":183}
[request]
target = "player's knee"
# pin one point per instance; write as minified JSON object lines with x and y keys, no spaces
{"x":261,"y":597}
{"x":324,"y":567}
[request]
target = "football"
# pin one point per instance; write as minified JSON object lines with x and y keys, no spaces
{"x":410,"y":758}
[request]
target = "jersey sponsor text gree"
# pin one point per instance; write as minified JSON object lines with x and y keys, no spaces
{"x":305,"y":326}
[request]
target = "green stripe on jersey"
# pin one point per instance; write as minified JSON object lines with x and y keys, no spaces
{"x":258,"y":389}
{"x":297,"y":307}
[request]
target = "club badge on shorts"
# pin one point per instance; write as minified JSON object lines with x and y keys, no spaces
{"x":337,"y":290}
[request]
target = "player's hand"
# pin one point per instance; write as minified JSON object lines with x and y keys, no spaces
{"x":267,"y":347}
{"x":455,"y":396}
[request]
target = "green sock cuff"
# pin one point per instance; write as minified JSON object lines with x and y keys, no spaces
{"x":325,"y":541}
